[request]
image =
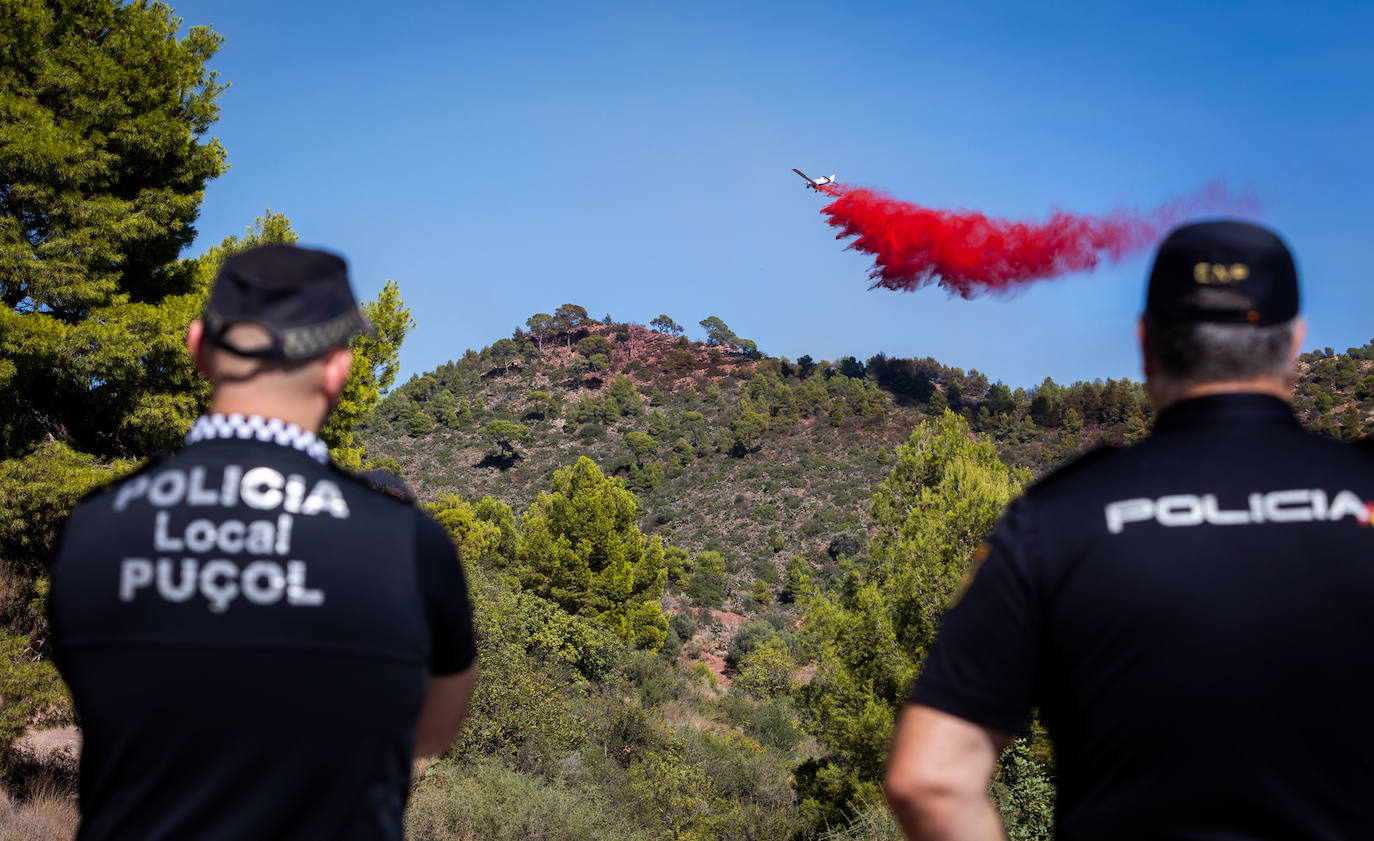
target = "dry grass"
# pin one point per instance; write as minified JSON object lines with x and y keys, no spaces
{"x":44,"y":817}
{"x":681,"y":714}
{"x":874,"y":824}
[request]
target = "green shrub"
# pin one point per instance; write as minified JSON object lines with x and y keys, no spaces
{"x":520,"y":712}
{"x":766,"y":572}
{"x":385,"y":464}
{"x":776,"y":541}
{"x":747,"y":775}
{"x":627,"y":731}
{"x":683,"y":625}
{"x":468,"y":801}
{"x":760,"y":593}
{"x":846,"y":544}
{"x":1365,"y":390}
{"x":34,"y":693}
{"x":418,"y":422}
{"x":703,"y":672}
{"x":775,"y":724}
{"x":672,"y":645}
{"x":706,"y":587}
{"x":1024,"y":794}
{"x":749,"y":635}
{"x":766,"y":671}
{"x":657,"y":680}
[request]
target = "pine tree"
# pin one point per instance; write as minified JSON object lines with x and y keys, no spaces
{"x":103,"y":119}
{"x":943,"y":496}
{"x":104,"y":156}
{"x":580,"y":546}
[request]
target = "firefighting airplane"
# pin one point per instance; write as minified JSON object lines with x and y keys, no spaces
{"x":817,"y":183}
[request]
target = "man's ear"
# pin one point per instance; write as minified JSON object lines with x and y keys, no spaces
{"x":337,"y":366}
{"x":195,"y":345}
{"x":1299,"y":336}
{"x":1142,"y":336}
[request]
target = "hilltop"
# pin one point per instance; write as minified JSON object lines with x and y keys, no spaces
{"x":766,"y":460}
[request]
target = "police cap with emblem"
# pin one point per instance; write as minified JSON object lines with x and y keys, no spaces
{"x":300,"y":296}
{"x":1222,"y":272}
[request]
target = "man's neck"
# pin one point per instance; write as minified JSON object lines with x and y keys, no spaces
{"x":1166,"y":395}
{"x":305,"y":417}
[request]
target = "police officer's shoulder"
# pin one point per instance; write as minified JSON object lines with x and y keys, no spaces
{"x":1357,"y":452}
{"x":154,"y":460}
{"x":1078,"y":469}
{"x":382,"y":482}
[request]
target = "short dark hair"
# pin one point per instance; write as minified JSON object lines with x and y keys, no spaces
{"x":1211,"y":352}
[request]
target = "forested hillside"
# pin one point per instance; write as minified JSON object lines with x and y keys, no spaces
{"x":702,"y":576}
{"x":728,"y":449}
{"x":786,"y":515}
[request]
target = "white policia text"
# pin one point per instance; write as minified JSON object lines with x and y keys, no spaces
{"x":1289,"y":506}
{"x":220,"y":581}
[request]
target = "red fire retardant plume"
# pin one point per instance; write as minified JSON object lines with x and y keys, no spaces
{"x":969,"y":254}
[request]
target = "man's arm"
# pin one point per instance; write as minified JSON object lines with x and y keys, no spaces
{"x":445,"y":707}
{"x":975,"y":687}
{"x":938,"y":774}
{"x":452,"y":645}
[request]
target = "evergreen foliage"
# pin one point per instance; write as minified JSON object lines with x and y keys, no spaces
{"x":504,"y":434}
{"x":707,"y":587}
{"x":942,"y":497}
{"x":103,"y":149}
{"x":580,"y":546}
{"x":767,"y":670}
{"x":34,"y":692}
{"x":376,"y":359}
{"x":104,"y":114}
{"x":665,"y":324}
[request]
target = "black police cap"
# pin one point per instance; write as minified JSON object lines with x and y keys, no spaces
{"x":1225,"y":272}
{"x":300,"y":296}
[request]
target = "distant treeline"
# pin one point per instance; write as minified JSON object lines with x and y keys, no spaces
{"x":577,"y":352}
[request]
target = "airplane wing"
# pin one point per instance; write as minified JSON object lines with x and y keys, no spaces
{"x":804,"y":175}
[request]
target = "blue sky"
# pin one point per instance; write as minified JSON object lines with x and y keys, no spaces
{"x":498,"y":160}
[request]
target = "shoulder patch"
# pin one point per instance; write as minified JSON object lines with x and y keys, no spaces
{"x":975,"y":563}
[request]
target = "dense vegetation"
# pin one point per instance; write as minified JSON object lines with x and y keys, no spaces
{"x":582,"y":705}
{"x":811,"y":532}
{"x":105,"y":160}
{"x":702,"y":576}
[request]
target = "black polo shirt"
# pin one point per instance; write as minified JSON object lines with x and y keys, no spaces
{"x":248,"y":634}
{"x":1194,"y":617}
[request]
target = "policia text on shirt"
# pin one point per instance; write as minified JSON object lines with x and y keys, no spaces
{"x":219,"y":580}
{"x":1299,"y":505}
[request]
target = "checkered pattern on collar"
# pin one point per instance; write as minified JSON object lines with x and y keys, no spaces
{"x":257,"y":427}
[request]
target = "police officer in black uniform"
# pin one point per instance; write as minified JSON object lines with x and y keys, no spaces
{"x":257,"y":642}
{"x":1191,"y":615}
